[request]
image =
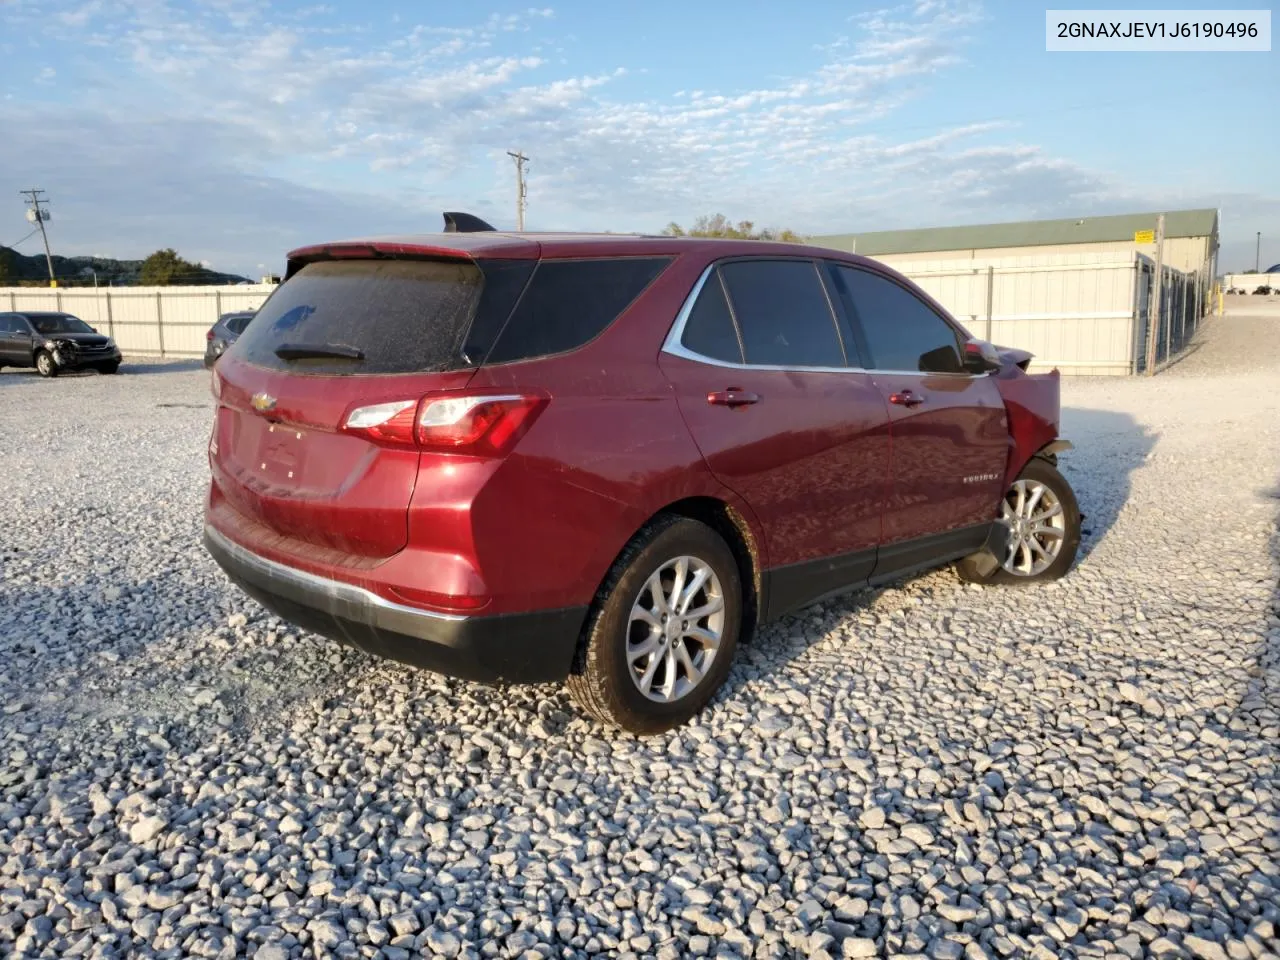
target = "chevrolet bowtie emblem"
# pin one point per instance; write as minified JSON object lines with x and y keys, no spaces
{"x":262,"y":402}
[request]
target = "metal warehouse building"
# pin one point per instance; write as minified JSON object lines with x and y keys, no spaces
{"x":1078,"y":292}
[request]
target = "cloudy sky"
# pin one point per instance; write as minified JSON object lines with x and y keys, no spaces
{"x":236,"y":129}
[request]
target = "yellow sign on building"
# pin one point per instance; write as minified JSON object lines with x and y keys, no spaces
{"x":1144,"y":236}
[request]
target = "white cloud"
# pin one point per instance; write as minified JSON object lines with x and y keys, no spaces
{"x":81,"y":15}
{"x":265,"y":126}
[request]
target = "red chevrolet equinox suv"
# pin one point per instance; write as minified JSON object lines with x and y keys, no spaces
{"x":521,"y":458}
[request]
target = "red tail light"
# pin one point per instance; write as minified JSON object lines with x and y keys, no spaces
{"x":384,"y":422}
{"x":209,"y":335}
{"x":476,"y":424}
{"x":485,"y":425}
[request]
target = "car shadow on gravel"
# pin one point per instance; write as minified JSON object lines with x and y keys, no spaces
{"x":1109,"y":446}
{"x":86,"y":664}
{"x":1263,"y":690}
{"x":17,"y":377}
{"x":22,"y":375}
{"x":161,"y":366}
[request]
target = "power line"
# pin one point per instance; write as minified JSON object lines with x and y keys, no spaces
{"x":13,"y":246}
{"x":38,"y":216}
{"x":522,"y":192}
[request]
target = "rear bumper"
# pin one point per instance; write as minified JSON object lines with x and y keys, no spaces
{"x":535,"y":647}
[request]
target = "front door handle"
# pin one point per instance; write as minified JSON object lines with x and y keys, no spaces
{"x":733,"y":397}
{"x":906,"y":398}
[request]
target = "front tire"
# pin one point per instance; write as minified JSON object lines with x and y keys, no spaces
{"x":663,"y":629}
{"x":1041,"y":510}
{"x":45,"y":365}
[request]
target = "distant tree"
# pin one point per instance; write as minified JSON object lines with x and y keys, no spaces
{"x":165,"y":267}
{"x":8,"y":272}
{"x":719,"y":225}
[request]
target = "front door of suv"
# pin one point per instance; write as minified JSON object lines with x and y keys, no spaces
{"x":758,"y":363}
{"x":948,"y":427}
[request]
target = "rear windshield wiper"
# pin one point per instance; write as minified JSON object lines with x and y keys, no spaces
{"x":318,"y":351}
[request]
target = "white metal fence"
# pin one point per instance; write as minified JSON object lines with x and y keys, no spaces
{"x":1087,"y":317}
{"x":1249,"y":282}
{"x":145,"y":321}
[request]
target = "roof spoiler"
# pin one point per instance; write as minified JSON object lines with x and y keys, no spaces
{"x":465,"y":223}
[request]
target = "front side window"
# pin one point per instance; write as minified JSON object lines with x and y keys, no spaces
{"x":902,"y":331}
{"x":782,"y":313}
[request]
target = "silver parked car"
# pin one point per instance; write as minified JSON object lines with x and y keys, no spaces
{"x":224,"y":333}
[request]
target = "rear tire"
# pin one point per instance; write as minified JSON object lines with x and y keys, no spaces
{"x":45,"y":365}
{"x":1044,"y":518}
{"x":641,"y":665}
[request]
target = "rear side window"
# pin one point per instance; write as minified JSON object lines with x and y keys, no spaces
{"x":366,"y":317}
{"x":570,"y":302}
{"x":783,"y":313}
{"x":902,"y":331}
{"x":237,"y":324}
{"x":709,"y":331}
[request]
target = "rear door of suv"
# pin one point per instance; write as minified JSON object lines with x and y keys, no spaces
{"x":760,"y":366}
{"x":949,"y":431}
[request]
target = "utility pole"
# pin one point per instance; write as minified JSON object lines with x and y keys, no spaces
{"x":37,"y":215}
{"x":522,"y":193}
{"x":1257,"y":254}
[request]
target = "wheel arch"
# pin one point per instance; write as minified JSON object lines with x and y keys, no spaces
{"x":735,"y":529}
{"x":1051,"y":450}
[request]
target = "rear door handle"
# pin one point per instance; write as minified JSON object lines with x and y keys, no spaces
{"x":733,"y":397}
{"x":906,"y":398}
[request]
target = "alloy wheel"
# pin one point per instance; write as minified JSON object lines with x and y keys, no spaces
{"x":1037,"y":527}
{"x":675,"y":629}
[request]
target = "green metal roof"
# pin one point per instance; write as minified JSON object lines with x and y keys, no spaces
{"x":1030,"y":233}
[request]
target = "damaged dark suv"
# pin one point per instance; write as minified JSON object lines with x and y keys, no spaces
{"x":54,"y":342}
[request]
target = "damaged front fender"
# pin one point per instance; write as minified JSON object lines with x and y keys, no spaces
{"x":1034,"y":408}
{"x":63,"y":352}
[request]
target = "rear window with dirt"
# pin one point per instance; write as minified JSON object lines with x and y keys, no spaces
{"x":366,"y":317}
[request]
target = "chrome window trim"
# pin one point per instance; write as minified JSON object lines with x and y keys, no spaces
{"x":674,"y":346}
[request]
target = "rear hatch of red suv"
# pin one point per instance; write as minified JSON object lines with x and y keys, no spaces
{"x":315,"y":442}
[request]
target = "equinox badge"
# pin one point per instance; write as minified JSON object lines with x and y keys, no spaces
{"x":262,"y":402}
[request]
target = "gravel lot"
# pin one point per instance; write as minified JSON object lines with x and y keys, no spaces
{"x":1087,"y":769}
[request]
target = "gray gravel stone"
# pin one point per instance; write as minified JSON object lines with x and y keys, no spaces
{"x":1084,"y":768}
{"x":146,"y":829}
{"x":858,"y":947}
